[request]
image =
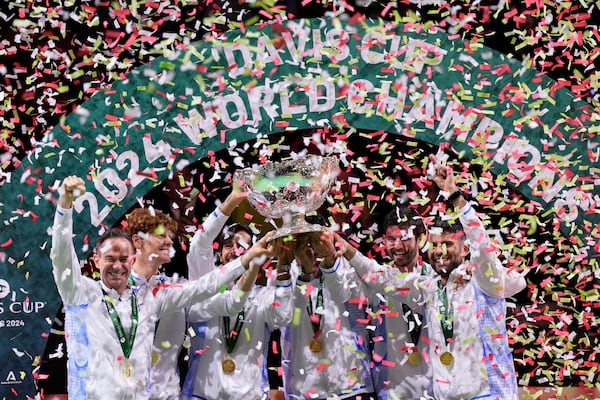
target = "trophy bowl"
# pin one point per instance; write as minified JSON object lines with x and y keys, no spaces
{"x":289,"y":190}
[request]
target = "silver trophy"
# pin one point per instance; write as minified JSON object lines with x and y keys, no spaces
{"x":289,"y":190}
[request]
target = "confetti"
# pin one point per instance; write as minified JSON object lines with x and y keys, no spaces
{"x":55,"y":58}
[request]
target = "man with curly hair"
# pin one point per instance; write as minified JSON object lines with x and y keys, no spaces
{"x":152,"y":233}
{"x":110,"y":324}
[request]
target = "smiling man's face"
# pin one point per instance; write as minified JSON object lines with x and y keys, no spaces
{"x":234,"y":248}
{"x":155,"y":248}
{"x":114,"y":259}
{"x":446,"y":251}
{"x":402,"y":246}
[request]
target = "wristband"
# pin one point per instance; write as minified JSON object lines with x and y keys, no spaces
{"x":305,"y":277}
{"x":283,"y":267}
{"x":283,"y":276}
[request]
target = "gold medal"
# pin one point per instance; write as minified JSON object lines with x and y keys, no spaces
{"x":228,"y":366}
{"x":414,"y":358}
{"x":446,"y":358}
{"x":127,"y":369}
{"x":155,"y":357}
{"x":316,"y":346}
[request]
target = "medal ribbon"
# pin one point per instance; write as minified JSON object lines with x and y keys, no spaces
{"x":447,"y":320}
{"x":410,"y":316}
{"x":231,"y":337}
{"x":316,"y":325}
{"x":125,"y":341}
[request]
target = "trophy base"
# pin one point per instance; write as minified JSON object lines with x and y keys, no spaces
{"x":296,"y":230}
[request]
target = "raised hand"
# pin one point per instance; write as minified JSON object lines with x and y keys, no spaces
{"x":258,"y":253}
{"x":343,"y":248}
{"x":321,"y":242}
{"x":283,"y":249}
{"x":316,"y":245}
{"x":443,"y":176}
{"x":235,"y":198}
{"x":305,"y":257}
{"x":71,"y":188}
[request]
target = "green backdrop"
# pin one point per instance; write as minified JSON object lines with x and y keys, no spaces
{"x":401,"y":79}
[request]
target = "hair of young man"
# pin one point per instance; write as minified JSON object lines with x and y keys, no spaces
{"x":317,"y":219}
{"x":226,"y":236}
{"x":404,"y":216}
{"x":149,"y":220}
{"x":445,"y":224}
{"x":113,"y":233}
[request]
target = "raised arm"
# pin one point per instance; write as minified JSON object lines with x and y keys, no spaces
{"x":187,"y":294}
{"x":407,"y":287}
{"x":487,"y":270}
{"x":200,"y":258}
{"x":255,"y":257}
{"x":319,"y":247}
{"x":65,"y":265}
{"x":277,"y":303}
{"x":228,"y":303}
{"x":489,"y":273}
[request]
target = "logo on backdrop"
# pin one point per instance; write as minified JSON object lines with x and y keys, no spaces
{"x":13,"y":310}
{"x":11,"y":379}
{"x":4,"y":289}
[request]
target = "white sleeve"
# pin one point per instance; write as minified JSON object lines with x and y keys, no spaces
{"x":200,"y":258}
{"x":488,"y":272}
{"x":65,"y":265}
{"x":338,"y":281}
{"x":407,"y":287}
{"x":229,"y":303}
{"x":180,"y":295}
{"x":278,"y":304}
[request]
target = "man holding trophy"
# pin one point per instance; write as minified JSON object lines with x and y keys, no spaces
{"x":323,"y":353}
{"x":229,"y":328}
